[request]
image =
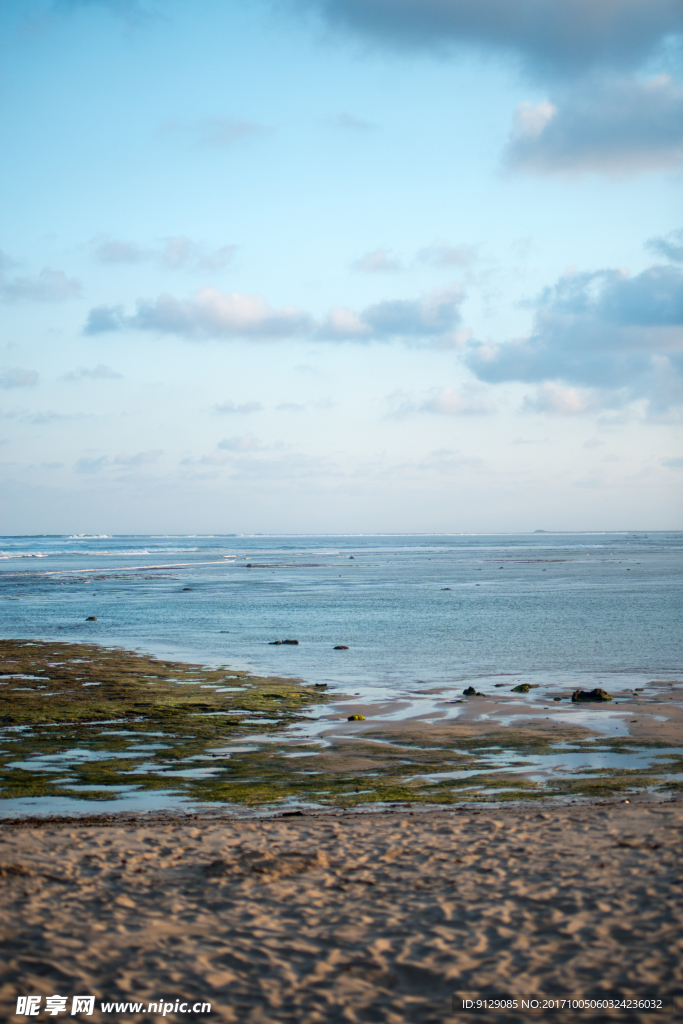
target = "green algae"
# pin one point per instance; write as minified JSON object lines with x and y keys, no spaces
{"x":93,"y":723}
{"x":75,"y":716}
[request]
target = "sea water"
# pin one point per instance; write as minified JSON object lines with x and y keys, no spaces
{"x":414,"y":612}
{"x":420,"y":618}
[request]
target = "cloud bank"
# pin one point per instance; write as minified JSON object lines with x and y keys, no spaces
{"x":601,"y":330}
{"x":377,"y":262}
{"x":176,"y":253}
{"x":214,"y":314}
{"x":617,"y":126}
{"x":670,"y":247}
{"x":211,"y":314}
{"x":16,"y":378}
{"x":469,"y":400}
{"x":429,"y":318}
{"x":551,"y":36}
{"x":47,"y":286}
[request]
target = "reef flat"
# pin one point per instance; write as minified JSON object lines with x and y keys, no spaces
{"x":99,"y":724}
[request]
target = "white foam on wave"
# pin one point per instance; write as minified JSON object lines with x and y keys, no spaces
{"x":23,"y":554}
{"x":89,"y":536}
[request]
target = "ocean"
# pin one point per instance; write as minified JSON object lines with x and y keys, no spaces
{"x":414,"y":612}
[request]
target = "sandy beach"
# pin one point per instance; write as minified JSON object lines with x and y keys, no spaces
{"x":348,"y":916}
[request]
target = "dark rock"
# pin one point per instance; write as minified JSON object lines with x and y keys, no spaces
{"x":248,"y":565}
{"x":320,"y":686}
{"x":295,"y":642}
{"x":471,"y":692}
{"x":91,"y":618}
{"x":352,"y":556}
{"x":356,"y":718}
{"x":187,"y":588}
{"x":594,"y":695}
{"x":445,"y":588}
{"x":274,"y":642}
{"x":292,"y":814}
{"x":340,"y":647}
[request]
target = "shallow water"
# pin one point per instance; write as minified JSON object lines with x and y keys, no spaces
{"x":575,"y":610}
{"x":423,"y":618}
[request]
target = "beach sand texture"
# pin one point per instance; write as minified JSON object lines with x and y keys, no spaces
{"x":345,"y":917}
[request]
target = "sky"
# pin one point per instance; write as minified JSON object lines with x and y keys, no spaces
{"x":341,"y":266}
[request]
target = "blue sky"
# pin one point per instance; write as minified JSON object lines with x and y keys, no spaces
{"x":329,"y":266}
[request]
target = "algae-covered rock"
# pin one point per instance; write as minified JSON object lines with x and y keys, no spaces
{"x":340,"y":647}
{"x":356,"y":718}
{"x":597,"y":694}
{"x":91,"y":618}
{"x":522,"y":688}
{"x":471,"y":692}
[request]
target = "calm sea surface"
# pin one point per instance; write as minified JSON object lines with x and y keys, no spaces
{"x":415,"y":611}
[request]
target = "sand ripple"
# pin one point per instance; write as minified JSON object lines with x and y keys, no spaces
{"x":347,"y":917}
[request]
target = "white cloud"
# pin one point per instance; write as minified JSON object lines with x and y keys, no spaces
{"x":16,"y":378}
{"x":241,"y":443}
{"x":433,"y":317}
{"x":175,"y":252}
{"x":141,"y":459}
{"x":113,"y":251}
{"x":379,"y":261}
{"x":99,"y":372}
{"x":612,"y":126}
{"x":91,"y":465}
{"x":47,"y":286}
{"x":214,"y":314}
{"x":470,"y":400}
{"x":210,"y":314}
{"x":244,"y":407}
{"x":448,"y":402}
{"x":562,"y":401}
{"x":441,"y":254}
{"x":670,"y":247}
{"x":605,"y":330}
{"x":342,"y":324}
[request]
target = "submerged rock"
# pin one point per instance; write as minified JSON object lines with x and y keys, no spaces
{"x":290,"y":642}
{"x":356,"y":718}
{"x":320,"y":686}
{"x":471,"y":692}
{"x":91,"y":618}
{"x":275,"y":643}
{"x":187,"y":588}
{"x":340,"y":647}
{"x":595,"y":695}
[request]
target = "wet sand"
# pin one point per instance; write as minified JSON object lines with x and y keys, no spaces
{"x":346,"y":916}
